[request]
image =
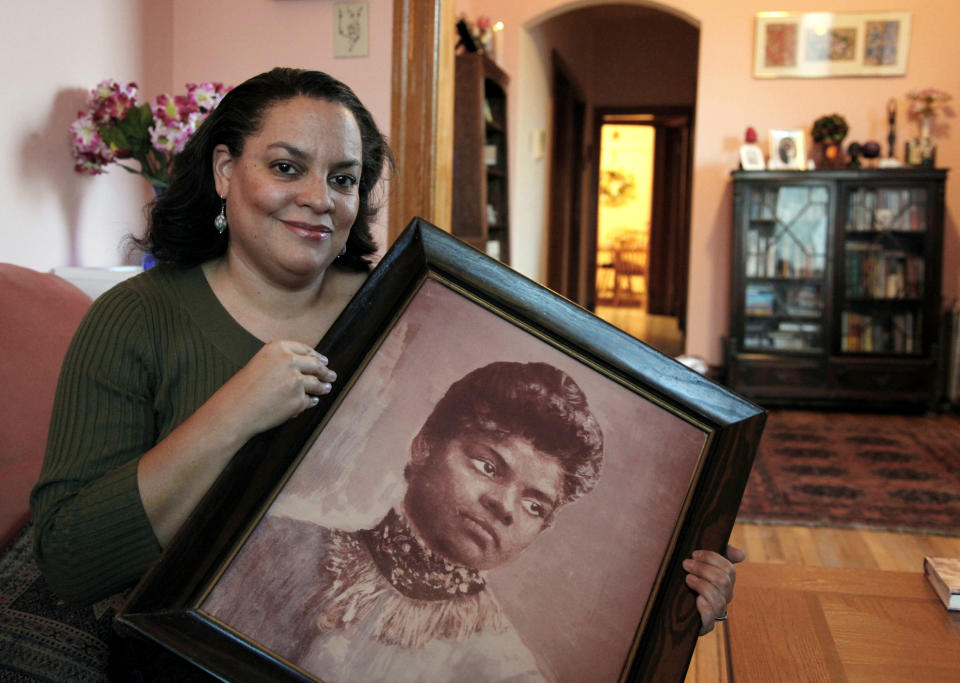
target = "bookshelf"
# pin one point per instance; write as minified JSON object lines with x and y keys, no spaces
{"x":480,"y":180}
{"x":835,"y":290}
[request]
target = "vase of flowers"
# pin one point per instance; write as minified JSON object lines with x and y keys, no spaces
{"x":114,"y":128}
{"x":828,"y":133}
{"x":925,"y":104}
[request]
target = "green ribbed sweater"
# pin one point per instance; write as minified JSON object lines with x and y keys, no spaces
{"x":148,"y":353}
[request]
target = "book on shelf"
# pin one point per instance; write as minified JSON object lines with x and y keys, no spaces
{"x":895,"y":333}
{"x":886,"y":209}
{"x":943,"y":573}
{"x":878,"y":273}
{"x":760,"y":301}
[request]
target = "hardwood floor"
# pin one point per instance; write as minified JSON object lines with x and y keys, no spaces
{"x":819,"y":547}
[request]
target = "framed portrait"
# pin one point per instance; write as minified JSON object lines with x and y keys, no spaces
{"x":500,"y":486}
{"x":787,"y":150}
{"x":826,"y":44}
{"x":751,"y":158}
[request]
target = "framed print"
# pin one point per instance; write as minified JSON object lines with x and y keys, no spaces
{"x":751,"y":158}
{"x":787,"y":150}
{"x":500,"y":486}
{"x":824,"y":44}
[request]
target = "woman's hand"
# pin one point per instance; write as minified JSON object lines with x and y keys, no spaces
{"x":282,"y":380}
{"x":712,"y":576}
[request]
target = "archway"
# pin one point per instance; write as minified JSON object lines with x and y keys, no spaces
{"x":619,"y":63}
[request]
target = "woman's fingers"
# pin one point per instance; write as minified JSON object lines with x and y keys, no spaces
{"x":735,"y":554}
{"x":713,"y":577}
{"x":282,"y":380}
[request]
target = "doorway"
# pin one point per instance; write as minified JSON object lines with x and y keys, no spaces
{"x":625,"y":191}
{"x":640,"y":76}
{"x":640,"y":260}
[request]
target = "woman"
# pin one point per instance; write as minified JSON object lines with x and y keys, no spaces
{"x":262,"y":237}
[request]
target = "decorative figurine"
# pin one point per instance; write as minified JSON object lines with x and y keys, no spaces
{"x":870,"y":150}
{"x":890,"y":161}
{"x":892,"y":120}
{"x":854,"y":149}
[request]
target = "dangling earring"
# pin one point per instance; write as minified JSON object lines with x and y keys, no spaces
{"x":220,"y":222}
{"x":342,"y":251}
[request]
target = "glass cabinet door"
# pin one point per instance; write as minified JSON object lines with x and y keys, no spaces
{"x":884,"y":240}
{"x":785,"y":255}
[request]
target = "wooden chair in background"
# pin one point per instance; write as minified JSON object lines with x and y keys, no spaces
{"x":630,"y":276}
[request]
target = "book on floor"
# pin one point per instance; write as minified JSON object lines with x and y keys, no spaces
{"x":944,"y":575}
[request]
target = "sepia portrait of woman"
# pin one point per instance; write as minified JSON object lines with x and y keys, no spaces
{"x":507,"y":447}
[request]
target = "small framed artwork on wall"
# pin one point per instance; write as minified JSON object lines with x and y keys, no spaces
{"x":826,"y":44}
{"x":350,"y":33}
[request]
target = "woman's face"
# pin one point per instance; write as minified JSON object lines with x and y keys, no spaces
{"x":482,"y":499}
{"x":292,"y":195}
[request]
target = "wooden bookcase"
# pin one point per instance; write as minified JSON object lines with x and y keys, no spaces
{"x":480,"y":207}
{"x":835,"y":289}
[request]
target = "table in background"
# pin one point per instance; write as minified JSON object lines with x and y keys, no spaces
{"x":792,"y":623}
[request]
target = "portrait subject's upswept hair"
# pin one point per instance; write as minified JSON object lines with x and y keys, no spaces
{"x":535,"y":401}
{"x":180,"y":228}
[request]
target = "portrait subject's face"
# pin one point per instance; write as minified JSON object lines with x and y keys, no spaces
{"x":481,"y":499}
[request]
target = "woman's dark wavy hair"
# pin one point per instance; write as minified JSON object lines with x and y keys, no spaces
{"x":180,"y":226}
{"x":535,"y":401}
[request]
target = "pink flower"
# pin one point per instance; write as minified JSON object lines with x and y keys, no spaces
{"x":206,"y":96}
{"x":89,"y":150}
{"x":105,"y":132}
{"x":111,"y":100}
{"x":165,"y":109}
{"x":170,"y":137}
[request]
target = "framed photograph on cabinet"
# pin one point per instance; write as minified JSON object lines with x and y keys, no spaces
{"x":825,"y":44}
{"x":499,"y":483}
{"x":787,"y":150}
{"x":751,"y":158}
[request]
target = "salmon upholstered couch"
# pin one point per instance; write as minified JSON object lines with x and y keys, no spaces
{"x":39,"y":313}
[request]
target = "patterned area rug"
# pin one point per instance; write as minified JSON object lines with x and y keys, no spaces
{"x":889,"y":472}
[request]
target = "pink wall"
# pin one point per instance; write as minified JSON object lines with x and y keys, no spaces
{"x":231,"y":40}
{"x":730,"y":99}
{"x":53,"y":54}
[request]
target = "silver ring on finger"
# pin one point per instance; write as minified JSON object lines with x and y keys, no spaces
{"x":313,"y":401}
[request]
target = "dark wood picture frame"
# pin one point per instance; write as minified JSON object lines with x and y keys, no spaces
{"x":165,"y":606}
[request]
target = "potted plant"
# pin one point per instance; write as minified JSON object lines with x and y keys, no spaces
{"x":828,"y":133}
{"x":114,"y":127}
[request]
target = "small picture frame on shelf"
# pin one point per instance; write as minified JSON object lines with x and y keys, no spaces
{"x":751,"y":158}
{"x":787,"y":150}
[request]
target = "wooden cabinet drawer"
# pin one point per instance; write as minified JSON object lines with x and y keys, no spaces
{"x":786,"y":376}
{"x":909,"y":378}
